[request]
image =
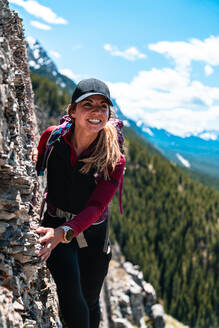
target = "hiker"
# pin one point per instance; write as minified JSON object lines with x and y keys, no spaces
{"x":84,"y":169}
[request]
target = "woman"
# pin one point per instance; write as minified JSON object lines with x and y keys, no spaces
{"x":84,"y":170}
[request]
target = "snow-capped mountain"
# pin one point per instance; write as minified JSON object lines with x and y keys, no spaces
{"x":40,"y":63}
{"x":209,"y":135}
{"x":199,"y":153}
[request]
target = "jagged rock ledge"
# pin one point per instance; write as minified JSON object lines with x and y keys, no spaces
{"x":128,"y":301}
{"x":27,"y":295}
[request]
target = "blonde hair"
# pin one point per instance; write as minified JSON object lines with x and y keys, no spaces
{"x":106,"y":152}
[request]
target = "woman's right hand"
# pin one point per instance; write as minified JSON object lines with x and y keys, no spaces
{"x":52,"y":237}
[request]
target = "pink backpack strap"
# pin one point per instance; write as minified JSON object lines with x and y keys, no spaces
{"x":120,"y":195}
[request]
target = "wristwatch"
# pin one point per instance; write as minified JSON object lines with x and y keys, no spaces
{"x":68,"y":234}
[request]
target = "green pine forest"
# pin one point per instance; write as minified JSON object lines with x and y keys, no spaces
{"x":169,"y":226}
{"x":48,"y":96}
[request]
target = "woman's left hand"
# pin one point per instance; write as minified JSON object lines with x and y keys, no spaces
{"x":52,"y":237}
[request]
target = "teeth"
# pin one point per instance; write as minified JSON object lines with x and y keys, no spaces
{"x":94,"y":121}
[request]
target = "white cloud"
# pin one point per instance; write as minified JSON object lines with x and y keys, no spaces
{"x":131,"y":53}
{"x":55,"y":54}
{"x":183,"y":53}
{"x":40,"y":25}
{"x":164,"y":89}
{"x":36,"y":9}
{"x":71,"y":75}
{"x":208,"y":70}
{"x":184,"y":122}
{"x":167,"y":99}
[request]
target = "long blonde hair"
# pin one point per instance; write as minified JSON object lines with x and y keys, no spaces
{"x":106,"y":152}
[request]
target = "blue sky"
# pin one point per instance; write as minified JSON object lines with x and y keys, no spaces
{"x":159,"y":58}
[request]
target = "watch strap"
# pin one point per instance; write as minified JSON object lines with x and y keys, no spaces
{"x":66,"y":232}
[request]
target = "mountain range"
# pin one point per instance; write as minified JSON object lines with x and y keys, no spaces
{"x":40,"y":63}
{"x":193,"y":152}
{"x":198,"y":153}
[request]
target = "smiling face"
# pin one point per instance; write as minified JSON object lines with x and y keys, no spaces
{"x":91,"y":114}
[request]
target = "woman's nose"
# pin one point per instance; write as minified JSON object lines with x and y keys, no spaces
{"x":98,"y":109}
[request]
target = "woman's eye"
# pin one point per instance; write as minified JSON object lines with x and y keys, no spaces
{"x":87,"y":105}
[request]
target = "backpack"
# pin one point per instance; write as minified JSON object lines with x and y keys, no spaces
{"x":57,"y":132}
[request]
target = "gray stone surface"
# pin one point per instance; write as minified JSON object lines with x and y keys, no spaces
{"x":130,"y":301}
{"x":27,"y":293}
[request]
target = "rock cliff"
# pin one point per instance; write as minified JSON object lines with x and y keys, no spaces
{"x":128,"y":301}
{"x":27,"y":292}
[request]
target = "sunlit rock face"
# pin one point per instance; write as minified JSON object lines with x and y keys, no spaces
{"x":130,"y":301}
{"x":26,"y":292}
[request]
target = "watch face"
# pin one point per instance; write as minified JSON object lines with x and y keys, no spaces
{"x":69,"y":234}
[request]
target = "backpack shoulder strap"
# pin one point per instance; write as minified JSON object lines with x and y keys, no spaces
{"x":119,"y":125}
{"x":58,"y":131}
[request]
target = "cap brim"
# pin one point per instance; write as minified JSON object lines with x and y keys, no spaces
{"x":92,"y":94}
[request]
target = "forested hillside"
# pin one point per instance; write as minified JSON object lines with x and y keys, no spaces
{"x":51,"y":99}
{"x":204,"y":179}
{"x":170,"y":228}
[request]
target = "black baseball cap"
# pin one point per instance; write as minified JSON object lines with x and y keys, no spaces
{"x":90,"y":87}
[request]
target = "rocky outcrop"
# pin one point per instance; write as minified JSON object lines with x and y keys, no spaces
{"x":26,"y":292}
{"x":130,"y":301}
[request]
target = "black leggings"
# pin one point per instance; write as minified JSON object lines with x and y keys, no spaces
{"x":79,"y":274}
